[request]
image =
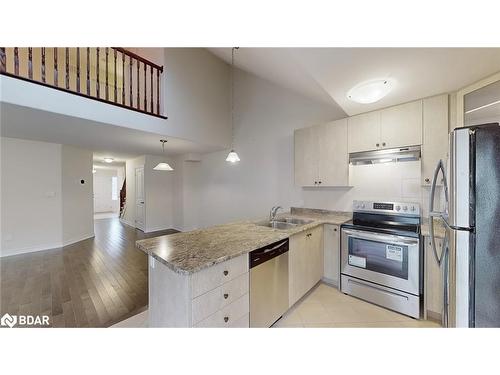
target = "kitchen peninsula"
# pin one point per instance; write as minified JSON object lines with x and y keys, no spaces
{"x":201,"y":278}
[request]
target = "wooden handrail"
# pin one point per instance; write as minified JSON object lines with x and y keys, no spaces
{"x":88,"y":72}
{"x":137,"y":57}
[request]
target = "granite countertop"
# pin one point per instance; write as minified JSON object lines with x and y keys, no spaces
{"x":190,"y":252}
{"x":439,"y":228}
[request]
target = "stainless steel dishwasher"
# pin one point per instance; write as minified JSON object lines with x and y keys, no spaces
{"x":268,"y":284}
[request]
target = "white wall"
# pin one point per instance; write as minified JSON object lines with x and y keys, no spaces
{"x":159,"y":187}
{"x":77,"y":202}
{"x":44,"y":205}
{"x":31,"y":196}
{"x":103,"y":190}
{"x":214,"y":191}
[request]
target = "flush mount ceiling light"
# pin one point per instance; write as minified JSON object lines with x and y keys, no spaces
{"x":370,"y":91}
{"x":164,"y":166}
{"x":232,"y":157}
{"x":108,"y":160}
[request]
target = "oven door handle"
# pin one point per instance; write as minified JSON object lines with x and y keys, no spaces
{"x":397,"y":240}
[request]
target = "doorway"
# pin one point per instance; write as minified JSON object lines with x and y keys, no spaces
{"x":107,"y":187}
{"x":139,"y":199}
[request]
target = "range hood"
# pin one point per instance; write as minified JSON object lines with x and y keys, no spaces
{"x":409,"y":153}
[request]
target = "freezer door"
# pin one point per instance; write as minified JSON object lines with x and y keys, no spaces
{"x":459,"y":179}
{"x":486,"y":256}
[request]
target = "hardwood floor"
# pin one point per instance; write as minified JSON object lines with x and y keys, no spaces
{"x":93,"y":283}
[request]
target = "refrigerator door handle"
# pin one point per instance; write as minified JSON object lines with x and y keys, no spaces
{"x":432,"y":213}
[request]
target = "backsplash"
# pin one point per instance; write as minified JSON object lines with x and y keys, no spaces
{"x":377,"y":182}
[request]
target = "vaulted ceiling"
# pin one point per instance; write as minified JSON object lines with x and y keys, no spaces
{"x":327,"y":74}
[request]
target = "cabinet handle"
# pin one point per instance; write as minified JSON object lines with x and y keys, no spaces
{"x":334,"y":229}
{"x":226,"y":273}
{"x":226,"y":319}
{"x":383,"y":144}
{"x":427,"y":180}
{"x":315,"y":182}
{"x":319,"y":182}
{"x":378,"y":144}
{"x":226,"y":295}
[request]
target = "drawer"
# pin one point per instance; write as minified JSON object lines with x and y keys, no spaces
{"x":212,"y":277}
{"x":216,"y":299}
{"x":231,"y":315}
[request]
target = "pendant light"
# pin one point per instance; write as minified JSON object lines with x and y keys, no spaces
{"x":163,"y":166}
{"x":232,"y":157}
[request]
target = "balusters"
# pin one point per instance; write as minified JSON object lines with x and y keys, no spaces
{"x":115,"y":76}
{"x":30,"y":63}
{"x":157,"y":91}
{"x":130,"y":82}
{"x":107,"y":89}
{"x":88,"y":71}
{"x":77,"y":69}
{"x":56,"y":78}
{"x":43,"y":65}
{"x":145,"y":90}
{"x":16,"y":61}
{"x":138,"y":85}
{"x":151,"y":87}
{"x":3,"y":60}
{"x":123,"y":78}
{"x":67,"y":68}
{"x":97,"y":71}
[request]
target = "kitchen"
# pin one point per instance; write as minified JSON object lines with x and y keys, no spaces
{"x":385,"y":252}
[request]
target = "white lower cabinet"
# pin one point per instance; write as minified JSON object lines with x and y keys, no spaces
{"x":434,"y":289}
{"x":305,"y":262}
{"x":331,"y":267}
{"x":217,"y":296}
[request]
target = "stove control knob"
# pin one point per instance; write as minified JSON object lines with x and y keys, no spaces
{"x":398,"y":208}
{"x":362,"y":205}
{"x":405,"y":208}
{"x":412,"y":208}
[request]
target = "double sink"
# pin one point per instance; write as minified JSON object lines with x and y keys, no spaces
{"x":284,"y":223}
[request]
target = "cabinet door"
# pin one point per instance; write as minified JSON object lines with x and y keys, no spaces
{"x":435,"y":136}
{"x":433,"y":279}
{"x":333,"y":160}
{"x":314,"y":256}
{"x":331,"y":251}
{"x":306,"y":156}
{"x":364,"y":132}
{"x":297,"y":267}
{"x":401,"y":125}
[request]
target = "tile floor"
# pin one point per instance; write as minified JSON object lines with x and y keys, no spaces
{"x":324,"y":307}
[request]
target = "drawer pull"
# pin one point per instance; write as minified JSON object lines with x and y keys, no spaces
{"x":226,"y":319}
{"x":226,"y":295}
{"x":226,"y":273}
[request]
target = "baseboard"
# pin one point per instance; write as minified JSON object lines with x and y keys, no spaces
{"x":156,"y":229}
{"x":126,"y":222}
{"x":52,"y":246}
{"x":434,"y":316}
{"x":78,"y":239}
{"x":330,"y":282}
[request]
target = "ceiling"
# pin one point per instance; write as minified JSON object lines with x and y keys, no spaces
{"x":326,"y":74}
{"x":104,"y":140}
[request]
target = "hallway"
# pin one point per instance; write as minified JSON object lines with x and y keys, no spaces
{"x":93,"y":283}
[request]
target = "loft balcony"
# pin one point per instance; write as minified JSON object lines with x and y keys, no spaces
{"x":109,"y":75}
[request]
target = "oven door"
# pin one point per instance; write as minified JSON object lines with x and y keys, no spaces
{"x":385,"y":259}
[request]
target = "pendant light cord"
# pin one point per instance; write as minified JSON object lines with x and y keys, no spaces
{"x":232,"y":96}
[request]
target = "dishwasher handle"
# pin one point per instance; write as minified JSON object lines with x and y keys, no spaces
{"x":267,"y":253}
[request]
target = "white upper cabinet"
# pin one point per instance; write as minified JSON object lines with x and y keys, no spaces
{"x":321,"y":157}
{"x":306,"y":156}
{"x":392,"y":127}
{"x":364,"y":132}
{"x":333,"y":162}
{"x":401,"y":125}
{"x":435,"y":136}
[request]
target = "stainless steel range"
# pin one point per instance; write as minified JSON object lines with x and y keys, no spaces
{"x":381,"y":256}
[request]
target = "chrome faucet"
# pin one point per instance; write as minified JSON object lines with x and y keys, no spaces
{"x":273,"y":212}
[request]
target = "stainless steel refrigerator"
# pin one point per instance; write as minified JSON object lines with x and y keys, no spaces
{"x":472,"y":220}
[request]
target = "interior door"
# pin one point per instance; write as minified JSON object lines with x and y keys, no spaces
{"x":139,"y":199}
